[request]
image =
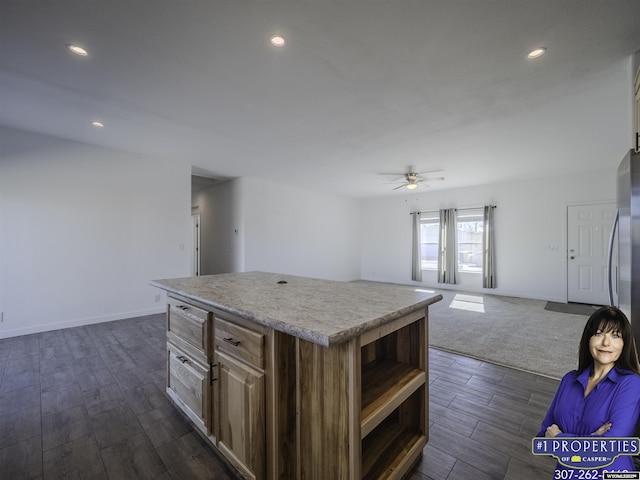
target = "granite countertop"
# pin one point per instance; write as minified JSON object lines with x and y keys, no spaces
{"x":325,"y":312}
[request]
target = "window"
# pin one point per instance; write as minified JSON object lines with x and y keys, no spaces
{"x":469,"y":239}
{"x":429,"y":235}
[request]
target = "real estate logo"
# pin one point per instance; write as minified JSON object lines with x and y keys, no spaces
{"x":582,"y":452}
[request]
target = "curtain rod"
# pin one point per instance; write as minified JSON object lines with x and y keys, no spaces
{"x":456,"y":209}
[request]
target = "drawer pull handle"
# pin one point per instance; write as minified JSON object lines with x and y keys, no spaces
{"x":182,"y":307}
{"x":233,"y":342}
{"x":182,"y":359}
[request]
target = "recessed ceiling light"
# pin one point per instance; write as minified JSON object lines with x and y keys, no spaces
{"x":97,"y":124}
{"x":77,"y":50}
{"x":538,"y":52}
{"x":277,"y":40}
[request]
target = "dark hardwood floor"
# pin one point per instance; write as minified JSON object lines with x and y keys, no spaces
{"x":482,"y":418}
{"x":88,"y":402}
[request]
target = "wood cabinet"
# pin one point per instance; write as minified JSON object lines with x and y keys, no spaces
{"x":240,"y":394}
{"x":189,"y":367}
{"x":394,"y":407}
{"x":279,"y":406}
{"x":189,"y":384}
{"x":240,"y":413}
{"x":363,"y":403}
{"x":240,"y":342}
{"x":190,"y":327}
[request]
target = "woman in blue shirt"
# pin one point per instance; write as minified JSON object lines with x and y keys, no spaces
{"x":601,"y":397}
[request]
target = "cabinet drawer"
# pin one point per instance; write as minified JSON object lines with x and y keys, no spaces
{"x":240,"y":342}
{"x":191,"y":325}
{"x":190,"y":382}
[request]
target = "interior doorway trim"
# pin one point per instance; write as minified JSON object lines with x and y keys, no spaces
{"x":195,"y":265}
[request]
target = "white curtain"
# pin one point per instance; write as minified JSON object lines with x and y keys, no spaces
{"x":448,"y":256}
{"x":416,"y":257}
{"x":489,"y":258}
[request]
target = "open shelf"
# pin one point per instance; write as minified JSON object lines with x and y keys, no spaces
{"x":385,"y":386}
{"x":390,"y":451}
{"x":393,"y":400}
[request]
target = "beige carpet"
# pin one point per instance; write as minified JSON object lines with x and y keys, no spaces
{"x":509,"y":331}
{"x":515,"y":332}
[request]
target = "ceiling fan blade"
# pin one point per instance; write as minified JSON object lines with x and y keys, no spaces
{"x":400,"y":186}
{"x":431,"y":178}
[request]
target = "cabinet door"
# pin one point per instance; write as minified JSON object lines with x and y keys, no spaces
{"x":240,"y":415}
{"x":190,"y":382}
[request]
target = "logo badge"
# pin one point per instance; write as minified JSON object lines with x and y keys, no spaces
{"x":585,"y":452}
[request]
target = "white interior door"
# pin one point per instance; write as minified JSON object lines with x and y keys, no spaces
{"x":588,"y":231}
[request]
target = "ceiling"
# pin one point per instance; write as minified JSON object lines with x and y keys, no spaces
{"x":361,"y":86}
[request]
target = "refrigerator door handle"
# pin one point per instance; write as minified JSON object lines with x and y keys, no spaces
{"x":610,"y":259}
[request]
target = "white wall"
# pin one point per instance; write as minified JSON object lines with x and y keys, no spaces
{"x":530,"y":220}
{"x":298,"y":232}
{"x":250,"y":224}
{"x":83,"y":230}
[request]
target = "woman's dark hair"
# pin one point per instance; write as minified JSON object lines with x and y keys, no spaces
{"x":609,"y":319}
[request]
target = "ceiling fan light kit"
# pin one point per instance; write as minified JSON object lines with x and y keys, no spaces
{"x":536,"y":53}
{"x":77,"y":50}
{"x":411,"y":179}
{"x":277,"y":40}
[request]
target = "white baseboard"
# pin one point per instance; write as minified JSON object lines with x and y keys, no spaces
{"x":46,"y":327}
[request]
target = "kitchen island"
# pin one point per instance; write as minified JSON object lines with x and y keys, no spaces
{"x":293,"y":377}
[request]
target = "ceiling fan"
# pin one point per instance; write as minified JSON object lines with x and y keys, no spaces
{"x":411,"y":179}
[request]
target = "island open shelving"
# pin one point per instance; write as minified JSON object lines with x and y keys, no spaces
{"x":394,"y":409}
{"x":334,"y":375}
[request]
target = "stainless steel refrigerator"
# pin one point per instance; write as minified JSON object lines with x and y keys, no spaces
{"x":624,"y":272}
